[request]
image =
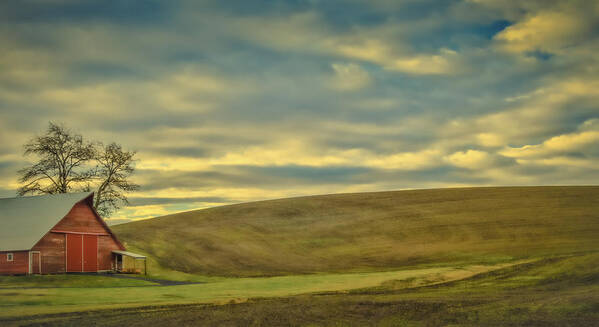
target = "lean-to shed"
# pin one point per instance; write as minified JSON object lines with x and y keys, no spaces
{"x":56,"y":233}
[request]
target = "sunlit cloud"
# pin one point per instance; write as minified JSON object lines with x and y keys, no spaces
{"x":472,"y":159}
{"x":296,"y":153}
{"x":544,"y":31}
{"x":490,"y":139}
{"x":573,"y":142}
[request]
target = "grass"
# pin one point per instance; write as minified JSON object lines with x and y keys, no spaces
{"x":72,"y":281}
{"x":369,"y":231}
{"x":47,"y":300}
{"x":560,"y":291}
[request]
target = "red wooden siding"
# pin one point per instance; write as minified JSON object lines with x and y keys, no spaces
{"x":74,"y":253}
{"x":106,"y":245}
{"x":90,"y":253}
{"x":19,"y":265}
{"x":35,"y":263}
{"x":52,"y":249}
{"x":80,"y":219}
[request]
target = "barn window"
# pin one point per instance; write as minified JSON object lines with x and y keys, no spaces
{"x":9,"y":257}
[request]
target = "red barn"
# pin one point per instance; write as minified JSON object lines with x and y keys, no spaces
{"x":55,"y":233}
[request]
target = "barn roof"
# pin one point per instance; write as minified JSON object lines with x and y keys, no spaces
{"x":25,"y":220}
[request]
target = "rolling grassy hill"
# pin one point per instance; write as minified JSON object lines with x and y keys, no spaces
{"x":372,"y":231}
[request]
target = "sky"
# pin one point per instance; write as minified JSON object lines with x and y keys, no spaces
{"x":236,"y":101}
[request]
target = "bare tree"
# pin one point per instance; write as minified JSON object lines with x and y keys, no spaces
{"x":62,"y":165}
{"x":66,"y":163}
{"x":114,"y":168}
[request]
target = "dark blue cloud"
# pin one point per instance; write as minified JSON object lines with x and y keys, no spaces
{"x":97,"y":70}
{"x":541,"y":55}
{"x":490,"y":30}
{"x":259,"y":7}
{"x":419,"y":10}
{"x":121,"y":12}
{"x":456,"y":35}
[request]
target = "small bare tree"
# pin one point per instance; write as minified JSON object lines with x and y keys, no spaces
{"x":62,"y":165}
{"x":115,"y":166}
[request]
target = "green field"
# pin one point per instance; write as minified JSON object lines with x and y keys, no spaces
{"x":560,"y":291}
{"x":453,"y":257}
{"x":65,"y":298}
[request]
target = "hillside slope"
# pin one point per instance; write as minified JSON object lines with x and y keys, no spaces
{"x":364,"y":231}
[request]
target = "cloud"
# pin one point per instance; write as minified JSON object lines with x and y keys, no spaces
{"x":536,"y":115}
{"x":425,"y":64}
{"x":490,"y":139}
{"x":444,"y":62}
{"x":189,"y":89}
{"x":565,"y":143}
{"x":562,"y":162}
{"x":471,"y":159}
{"x":144,"y":201}
{"x":590,"y":125}
{"x":545,"y":31}
{"x":298,"y":153}
{"x":407,"y":160}
{"x":349,"y":77}
{"x":382,"y":45}
{"x":377,"y":50}
{"x":575,"y":152}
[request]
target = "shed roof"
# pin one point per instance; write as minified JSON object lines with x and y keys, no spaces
{"x":25,"y":220}
{"x":129,"y":254}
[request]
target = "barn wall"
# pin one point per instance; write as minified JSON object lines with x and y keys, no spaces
{"x":19,"y":265}
{"x":106,"y":245}
{"x":80,"y":219}
{"x":52,"y":249}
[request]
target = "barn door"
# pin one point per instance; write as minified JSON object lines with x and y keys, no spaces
{"x":74,"y":252}
{"x":35,"y":265}
{"x":90,"y":253}
{"x":82,"y":253}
